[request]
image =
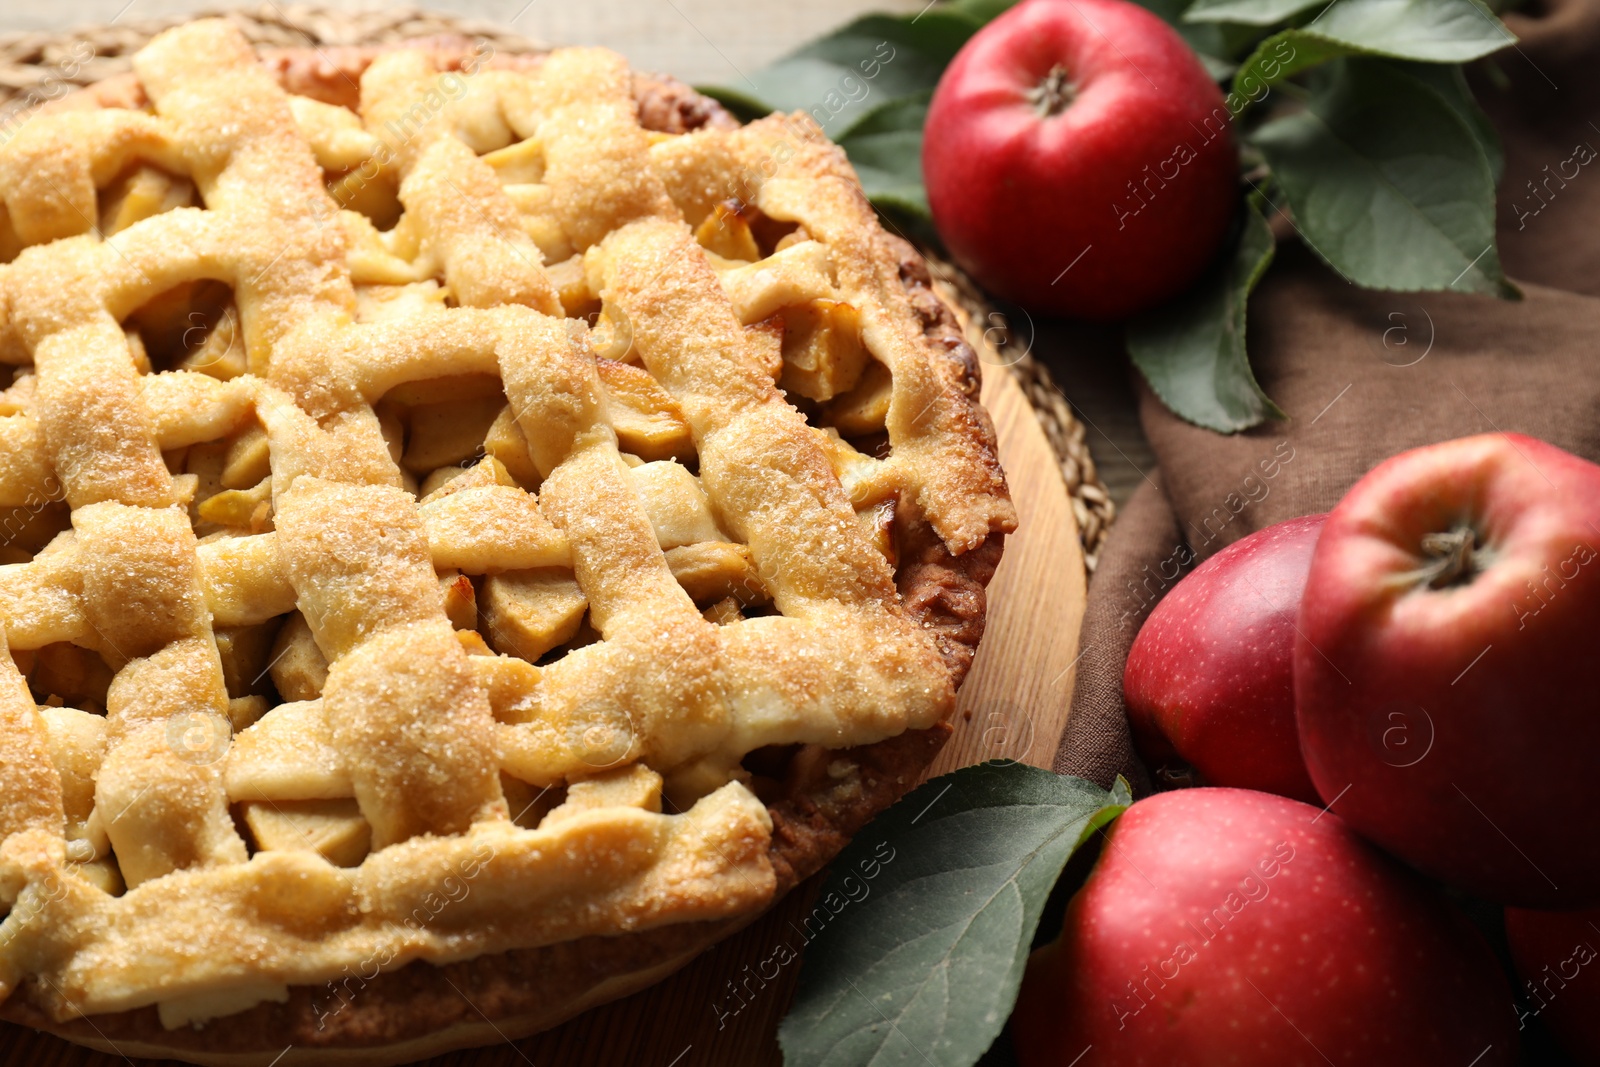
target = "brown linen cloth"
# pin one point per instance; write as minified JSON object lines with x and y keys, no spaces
{"x":1364,"y":375}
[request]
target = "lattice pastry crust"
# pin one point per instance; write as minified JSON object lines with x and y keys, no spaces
{"x":517,"y":445}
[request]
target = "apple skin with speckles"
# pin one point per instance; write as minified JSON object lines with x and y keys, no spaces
{"x":1210,"y":677}
{"x":1227,"y":926}
{"x":1444,"y":673}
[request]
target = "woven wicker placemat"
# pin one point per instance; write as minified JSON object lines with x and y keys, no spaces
{"x":38,"y":67}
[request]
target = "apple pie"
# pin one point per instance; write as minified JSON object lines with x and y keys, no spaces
{"x":476,"y":531}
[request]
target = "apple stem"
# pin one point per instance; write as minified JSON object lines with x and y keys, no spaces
{"x":1452,"y":553}
{"x":1052,"y":95}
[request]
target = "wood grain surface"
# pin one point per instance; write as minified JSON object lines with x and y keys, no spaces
{"x":1013,"y":705}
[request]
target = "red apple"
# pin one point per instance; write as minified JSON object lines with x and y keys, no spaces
{"x":1224,"y":926}
{"x":1444,"y":680}
{"x":1557,"y":954}
{"x":1079,"y":159}
{"x":1210,"y":678}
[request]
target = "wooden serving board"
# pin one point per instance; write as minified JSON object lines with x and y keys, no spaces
{"x":1013,"y":706}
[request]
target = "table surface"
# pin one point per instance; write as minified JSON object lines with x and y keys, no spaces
{"x":712,"y":42}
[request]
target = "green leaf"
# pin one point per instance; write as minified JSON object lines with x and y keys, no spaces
{"x":1450,"y":82}
{"x":1191,"y":350}
{"x":1388,"y":182}
{"x":1279,"y":57}
{"x":868,"y":85}
{"x":1430,"y":31}
{"x":918,"y":962}
{"x":840,"y":78}
{"x":1434,"y":31}
{"x":1213,"y":44}
{"x":981,"y":11}
{"x":744,"y":106}
{"x":1248,"y":12}
{"x":1219,"y":69}
{"x":885,"y":147}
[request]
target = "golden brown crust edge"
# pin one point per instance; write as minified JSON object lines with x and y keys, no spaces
{"x":423,"y":1009}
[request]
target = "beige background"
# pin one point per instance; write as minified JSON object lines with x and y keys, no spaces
{"x":697,"y":40}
